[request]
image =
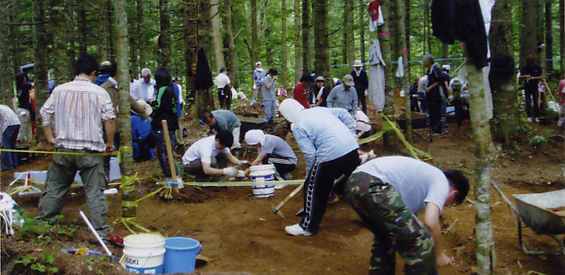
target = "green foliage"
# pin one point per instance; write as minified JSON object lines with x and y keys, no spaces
{"x":44,"y":232}
{"x":538,"y":141}
{"x":41,"y":265}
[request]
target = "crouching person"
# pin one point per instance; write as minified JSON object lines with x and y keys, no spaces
{"x":203,"y":158}
{"x":273,"y":150}
{"x":387,"y":192}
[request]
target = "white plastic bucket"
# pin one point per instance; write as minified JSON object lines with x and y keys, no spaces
{"x":144,"y":262}
{"x":263,"y":175}
{"x":144,"y":253}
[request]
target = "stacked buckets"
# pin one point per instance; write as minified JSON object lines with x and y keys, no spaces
{"x":153,"y":254}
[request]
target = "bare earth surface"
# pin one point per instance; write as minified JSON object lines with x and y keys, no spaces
{"x":241,"y":235}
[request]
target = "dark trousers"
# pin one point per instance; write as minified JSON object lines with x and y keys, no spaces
{"x":282,"y":165}
{"x":461,"y":110}
{"x":395,"y":228}
{"x":532,"y":94}
{"x":435,"y":115}
{"x":195,"y":166}
{"x":319,"y":184}
{"x":361,"y":98}
{"x":162,"y":151}
{"x":224,"y":96}
{"x":9,"y":139}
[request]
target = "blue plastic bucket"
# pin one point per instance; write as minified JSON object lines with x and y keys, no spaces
{"x":180,"y":255}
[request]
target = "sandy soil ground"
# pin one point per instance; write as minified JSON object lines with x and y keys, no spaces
{"x":241,"y":235}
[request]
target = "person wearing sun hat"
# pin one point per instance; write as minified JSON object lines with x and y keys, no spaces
{"x":344,"y":95}
{"x":272,"y":150}
{"x":361,"y":83}
{"x":330,"y":151}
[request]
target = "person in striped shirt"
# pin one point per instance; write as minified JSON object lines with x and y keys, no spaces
{"x":77,"y":110}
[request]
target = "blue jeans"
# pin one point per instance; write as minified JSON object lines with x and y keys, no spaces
{"x":269,"y":110}
{"x":9,"y":138}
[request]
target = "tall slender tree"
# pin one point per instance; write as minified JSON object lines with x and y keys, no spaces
{"x":40,"y":61}
{"x":217,"y":33}
{"x":306,"y":54}
{"x":82,"y":38}
{"x":6,"y":87}
{"x":348,"y":23}
{"x":503,"y":81}
{"x":205,"y":28}
{"x":297,"y":48}
{"x":254,"y":30}
{"x":321,"y":43}
{"x":58,"y":28}
{"x":124,"y":121}
{"x":165,"y":36}
{"x":528,"y":30}
{"x":284,"y":55}
{"x":70,"y":15}
{"x":562,"y":32}
{"x":548,"y":36}
{"x":231,"y":50}
{"x":485,"y":156}
{"x":362,"y":26}
{"x":190,"y":34}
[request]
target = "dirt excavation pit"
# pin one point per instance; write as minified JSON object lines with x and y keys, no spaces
{"x":240,"y":234}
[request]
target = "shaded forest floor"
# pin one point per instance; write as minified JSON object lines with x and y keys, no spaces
{"x":241,"y":235}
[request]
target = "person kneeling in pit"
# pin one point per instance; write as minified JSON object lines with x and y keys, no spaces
{"x":387,"y":193}
{"x":273,"y":150}
{"x":203,"y":158}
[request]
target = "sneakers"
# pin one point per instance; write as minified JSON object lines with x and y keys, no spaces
{"x":530,"y":119}
{"x":280,"y":186}
{"x":287,"y":176}
{"x":363,"y":158}
{"x":296,"y":230}
{"x":536,"y":120}
{"x":371,"y":155}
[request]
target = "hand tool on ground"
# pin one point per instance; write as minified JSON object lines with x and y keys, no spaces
{"x":97,"y":236}
{"x":283,"y":202}
{"x":300,"y":212}
{"x":168,"y":192}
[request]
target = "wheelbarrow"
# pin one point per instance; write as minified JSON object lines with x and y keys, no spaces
{"x":540,"y":212}
{"x":419,"y":121}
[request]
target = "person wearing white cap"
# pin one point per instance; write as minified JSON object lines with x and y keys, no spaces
{"x":330,"y":151}
{"x":344,"y":95}
{"x":320,"y":93}
{"x":258,"y":75}
{"x":272,"y":150}
{"x":361,"y":83}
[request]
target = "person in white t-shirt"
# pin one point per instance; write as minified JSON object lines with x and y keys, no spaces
{"x":203,"y":158}
{"x":387,"y":192}
{"x":224,"y":89}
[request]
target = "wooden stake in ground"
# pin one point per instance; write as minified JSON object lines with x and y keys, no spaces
{"x":168,"y":192}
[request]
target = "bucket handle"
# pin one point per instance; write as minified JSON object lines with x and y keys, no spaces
{"x":199,"y":249}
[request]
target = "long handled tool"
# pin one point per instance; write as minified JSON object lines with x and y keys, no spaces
{"x":168,"y":191}
{"x":283,"y":202}
{"x":97,"y":236}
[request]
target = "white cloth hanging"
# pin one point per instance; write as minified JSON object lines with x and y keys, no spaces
{"x":400,"y":70}
{"x":376,"y":89}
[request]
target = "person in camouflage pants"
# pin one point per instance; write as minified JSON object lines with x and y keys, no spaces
{"x":395,"y":227}
{"x":392,"y":221}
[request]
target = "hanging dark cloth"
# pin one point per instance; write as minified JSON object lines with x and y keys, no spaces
{"x":461,"y":20}
{"x":203,"y":76}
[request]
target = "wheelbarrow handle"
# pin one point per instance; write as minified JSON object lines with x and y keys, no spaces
{"x":513,"y":210}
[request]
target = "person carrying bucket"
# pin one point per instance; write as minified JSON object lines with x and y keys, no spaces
{"x":203,"y":158}
{"x":330,"y":151}
{"x":273,"y":150}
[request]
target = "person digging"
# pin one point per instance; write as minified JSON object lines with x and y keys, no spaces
{"x":386,"y":193}
{"x":203,"y":158}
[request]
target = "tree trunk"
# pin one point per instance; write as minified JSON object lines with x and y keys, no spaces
{"x":40,"y":60}
{"x":503,"y":84}
{"x":485,"y":154}
{"x":124,"y":121}
{"x":284,"y":56}
{"x":82,"y":30}
{"x":562,"y":32}
{"x":407,"y":28}
{"x":363,"y":24}
{"x":58,"y":28}
{"x":390,"y":140}
{"x":254,"y":30}
{"x":217,"y":32}
{"x":528,"y":31}
{"x":205,"y":28}
{"x":141,"y":43}
{"x":548,"y":36}
{"x":306,"y":54}
{"x":321,"y":43}
{"x":134,"y":34}
{"x":6,"y":86}
{"x":540,"y":33}
{"x":165,"y":36}
{"x":71,"y":37}
{"x":111,"y":34}
{"x":231,"y":54}
{"x":190,"y":33}
{"x":349,"y":35}
{"x":297,"y":49}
